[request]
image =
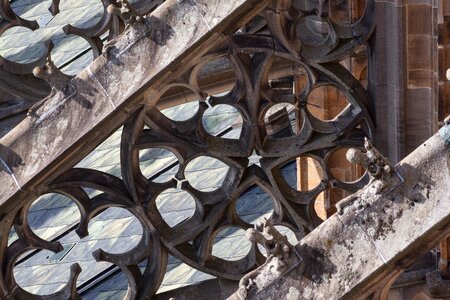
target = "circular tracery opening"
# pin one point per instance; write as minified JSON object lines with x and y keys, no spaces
{"x":287,"y":79}
{"x":280,"y":120}
{"x":175,"y":206}
{"x":231,"y":244}
{"x":254,"y":205}
{"x":303,"y":173}
{"x":67,"y":48}
{"x":52,"y":214}
{"x":206,"y":173}
{"x":242,"y":212}
{"x":326,"y":102}
{"x":23,"y":50}
{"x":313,"y":30}
{"x":217,"y":70}
{"x":182,"y":112}
{"x":43,"y":279}
{"x":158,"y":164}
{"x":321,"y":205}
{"x":78,"y":15}
{"x":223,"y":120}
{"x":115,"y":230}
{"x":343,"y":170}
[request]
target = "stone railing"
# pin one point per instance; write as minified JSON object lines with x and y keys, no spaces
{"x":74,"y":38}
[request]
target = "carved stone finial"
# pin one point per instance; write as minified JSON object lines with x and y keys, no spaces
{"x":125,"y":11}
{"x":279,"y":258}
{"x":270,"y":238}
{"x":378,"y":167}
{"x":128,"y":14}
{"x":58,"y":81}
{"x":50,"y":73}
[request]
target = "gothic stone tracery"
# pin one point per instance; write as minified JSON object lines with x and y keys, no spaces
{"x":302,"y":33}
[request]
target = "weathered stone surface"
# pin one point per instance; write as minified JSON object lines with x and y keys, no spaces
{"x":216,"y":289}
{"x":9,"y":187}
{"x":333,"y":263}
{"x":40,"y":142}
{"x":377,"y":236}
{"x":41,"y":138}
{"x":158,"y":42}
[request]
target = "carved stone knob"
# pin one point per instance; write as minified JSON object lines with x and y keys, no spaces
{"x":356,"y":156}
{"x":125,"y":11}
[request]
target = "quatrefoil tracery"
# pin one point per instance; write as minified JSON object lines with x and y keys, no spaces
{"x":251,"y":57}
{"x":252,"y":97}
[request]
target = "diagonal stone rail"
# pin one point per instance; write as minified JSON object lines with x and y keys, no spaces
{"x":359,"y":253}
{"x":100,"y":98}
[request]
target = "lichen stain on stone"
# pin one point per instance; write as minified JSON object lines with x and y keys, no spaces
{"x":318,"y":267}
{"x":159,"y":31}
{"x":379,"y":225}
{"x":420,"y":192}
{"x":62,"y":125}
{"x":328,"y":244}
{"x":293,"y":294}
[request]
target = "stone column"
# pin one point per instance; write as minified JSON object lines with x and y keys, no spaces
{"x":444,"y":103}
{"x":403,"y":78}
{"x":444,"y":58}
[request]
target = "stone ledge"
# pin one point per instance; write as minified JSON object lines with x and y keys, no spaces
{"x":109,"y":89}
{"x":355,"y":254}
